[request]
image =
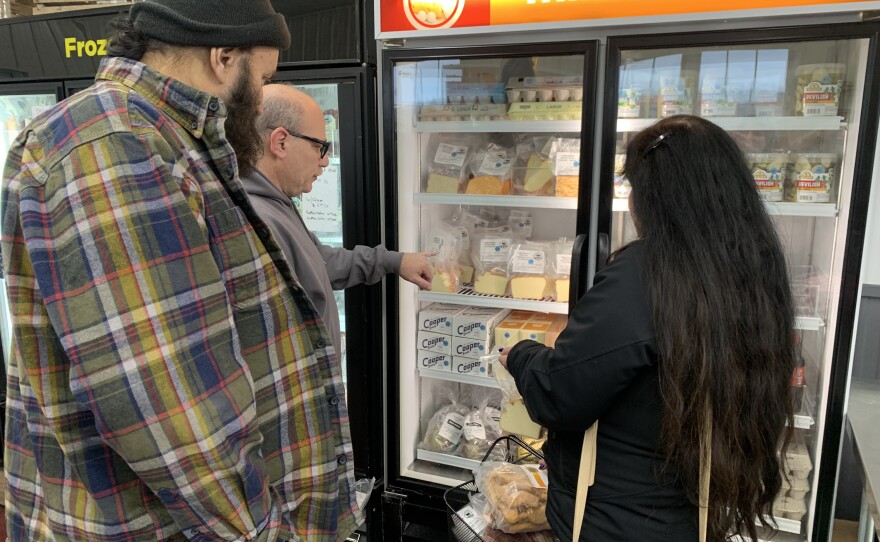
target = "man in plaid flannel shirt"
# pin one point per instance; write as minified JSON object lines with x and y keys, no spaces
{"x":169,"y":379}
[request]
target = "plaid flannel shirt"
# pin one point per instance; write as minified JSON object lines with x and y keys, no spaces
{"x":169,"y":379}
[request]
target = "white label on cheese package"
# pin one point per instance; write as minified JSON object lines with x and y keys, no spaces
{"x":563,"y":264}
{"x":522,"y":225}
{"x":465,"y":238}
{"x":469,"y":348}
{"x":469,"y":366}
{"x":568,"y":163}
{"x":452,"y":427}
{"x":495,"y":163}
{"x":530,"y":262}
{"x":494,"y":250}
{"x":451,"y":155}
{"x":473,"y":427}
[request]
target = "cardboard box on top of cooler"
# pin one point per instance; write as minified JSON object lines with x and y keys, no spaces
{"x":437,"y":317}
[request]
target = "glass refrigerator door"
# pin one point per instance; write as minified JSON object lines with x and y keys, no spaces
{"x":794,"y":109}
{"x":321,"y":208}
{"x":487,"y":162}
{"x":16,"y":112}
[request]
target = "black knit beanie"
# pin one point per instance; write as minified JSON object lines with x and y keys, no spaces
{"x":211,"y":23}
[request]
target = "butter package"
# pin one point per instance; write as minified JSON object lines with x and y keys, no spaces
{"x":543,"y":317}
{"x":433,"y":361}
{"x":437,"y":317}
{"x":555,"y":330}
{"x":507,"y":333}
{"x":470,"y":348}
{"x":534,"y":331}
{"x":434,"y":342}
{"x":478,"y":322}
{"x":519,"y":316}
{"x":469,"y":366}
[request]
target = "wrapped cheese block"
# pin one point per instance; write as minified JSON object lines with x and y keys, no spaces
{"x":538,"y":174}
{"x":529,"y":271}
{"x":443,"y":184}
{"x":488,"y":185}
{"x":567,"y":186}
{"x":491,"y":283}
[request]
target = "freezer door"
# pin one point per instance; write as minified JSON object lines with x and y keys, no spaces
{"x":796,"y":106}
{"x":488,"y":160}
{"x":19,"y":104}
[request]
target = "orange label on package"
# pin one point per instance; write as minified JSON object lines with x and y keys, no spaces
{"x":427,"y":15}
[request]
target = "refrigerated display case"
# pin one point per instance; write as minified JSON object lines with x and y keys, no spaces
{"x":801,"y":98}
{"x":484,"y":169}
{"x":796,"y":104}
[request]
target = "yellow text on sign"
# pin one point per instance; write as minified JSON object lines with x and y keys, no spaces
{"x":80,"y":48}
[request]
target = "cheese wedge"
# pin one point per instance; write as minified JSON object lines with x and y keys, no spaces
{"x":442,"y":184}
{"x":491,"y":284}
{"x":538,"y":174}
{"x":562,"y":286}
{"x":443,"y":281}
{"x":528,"y":287}
{"x":488,"y":185}
{"x":555,"y":330}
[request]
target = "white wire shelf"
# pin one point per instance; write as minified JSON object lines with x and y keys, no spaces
{"x":819,"y":210}
{"x":448,"y":460}
{"x":467,"y":296}
{"x":514,"y":126}
{"x":484,"y":381}
{"x":751,"y":124}
{"x":534,"y":202}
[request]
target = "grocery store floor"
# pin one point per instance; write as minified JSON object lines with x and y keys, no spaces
{"x":845,"y":531}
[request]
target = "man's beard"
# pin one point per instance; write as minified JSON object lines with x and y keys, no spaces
{"x":242,"y":105}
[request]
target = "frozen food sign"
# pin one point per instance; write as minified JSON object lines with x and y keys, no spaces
{"x":417,"y":16}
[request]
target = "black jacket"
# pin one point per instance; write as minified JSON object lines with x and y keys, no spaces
{"x":604,"y":368}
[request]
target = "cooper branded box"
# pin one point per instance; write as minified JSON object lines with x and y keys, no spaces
{"x":478,"y":322}
{"x":471,"y":348}
{"x":469,"y":366}
{"x":433,"y":361}
{"x":437,"y":317}
{"x":434,"y":342}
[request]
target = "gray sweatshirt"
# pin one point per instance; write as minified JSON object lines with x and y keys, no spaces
{"x":320,"y":269}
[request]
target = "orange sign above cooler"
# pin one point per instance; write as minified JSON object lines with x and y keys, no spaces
{"x":430,"y":15}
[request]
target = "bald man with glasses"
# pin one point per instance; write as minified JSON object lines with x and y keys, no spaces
{"x":295,"y":148}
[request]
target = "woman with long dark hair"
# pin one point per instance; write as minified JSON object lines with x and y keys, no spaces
{"x":690,"y":327}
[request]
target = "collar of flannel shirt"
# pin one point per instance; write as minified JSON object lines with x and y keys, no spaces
{"x":183,"y":103}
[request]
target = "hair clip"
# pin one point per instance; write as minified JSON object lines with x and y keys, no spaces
{"x":656,"y":143}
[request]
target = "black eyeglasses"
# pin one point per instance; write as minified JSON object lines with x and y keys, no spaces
{"x":325,"y":145}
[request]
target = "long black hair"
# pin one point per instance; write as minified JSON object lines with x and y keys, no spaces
{"x":722,"y":313}
{"x":126,"y":42}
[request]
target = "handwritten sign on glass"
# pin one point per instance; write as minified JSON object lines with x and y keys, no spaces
{"x":320,"y":207}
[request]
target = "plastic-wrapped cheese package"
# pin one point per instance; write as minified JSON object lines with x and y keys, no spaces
{"x":529,"y":270}
{"x":566,"y":155}
{"x":514,"y":416}
{"x":521,"y":222}
{"x":560,"y":263}
{"x":447,"y":156}
{"x":445,"y":240}
{"x":490,"y":252}
{"x":533,"y":168}
{"x":482,"y":426}
{"x":489,"y":170}
{"x":445,"y":429}
{"x":516,"y":496}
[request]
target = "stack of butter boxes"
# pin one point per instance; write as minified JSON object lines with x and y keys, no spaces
{"x":534,"y":326}
{"x":434,"y":340}
{"x":473,"y":331}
